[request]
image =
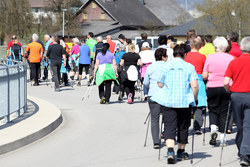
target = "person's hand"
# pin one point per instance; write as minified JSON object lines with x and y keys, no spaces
{"x":64,"y":64}
{"x":77,"y":57}
{"x":116,"y":75}
{"x":93,"y":62}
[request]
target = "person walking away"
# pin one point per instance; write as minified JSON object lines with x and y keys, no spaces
{"x":111,"y":43}
{"x":150,"y":85}
{"x":73,"y":53}
{"x":198,"y":61}
{"x":208,"y":48}
{"x":147,"y":58}
{"x":91,"y":42}
{"x":105,"y":72}
{"x":65,"y":69}
{"x":238,"y":72}
{"x":10,"y":44}
{"x":130,"y":74}
{"x":177,"y":75}
{"x":217,"y":97}
{"x":162,"y":41}
{"x":84,"y":61}
{"x":56,"y":53}
{"x":235,"y":50}
{"x":144,"y":38}
{"x":36,"y":51}
{"x":45,"y":61}
{"x":16,"y":51}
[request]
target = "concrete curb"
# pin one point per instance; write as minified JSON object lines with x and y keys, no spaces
{"x":44,"y":121}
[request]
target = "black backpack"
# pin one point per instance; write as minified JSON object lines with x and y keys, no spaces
{"x":16,"y":52}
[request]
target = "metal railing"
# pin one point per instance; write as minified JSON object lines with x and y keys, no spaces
{"x":13,"y":88}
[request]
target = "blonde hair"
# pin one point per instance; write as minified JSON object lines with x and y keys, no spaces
{"x":15,"y":41}
{"x":131,"y":47}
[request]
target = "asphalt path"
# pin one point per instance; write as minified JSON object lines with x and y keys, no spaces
{"x":110,"y":135}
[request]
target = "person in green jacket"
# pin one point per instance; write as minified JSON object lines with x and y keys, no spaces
{"x":209,"y":47}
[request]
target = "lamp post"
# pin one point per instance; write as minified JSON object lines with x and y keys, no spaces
{"x":64,"y":10}
{"x":239,"y":23}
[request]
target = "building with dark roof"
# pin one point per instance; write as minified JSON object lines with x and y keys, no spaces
{"x":131,"y":17}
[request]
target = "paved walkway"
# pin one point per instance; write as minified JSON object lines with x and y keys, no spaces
{"x":104,"y":136}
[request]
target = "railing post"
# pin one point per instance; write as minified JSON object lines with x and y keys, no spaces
{"x":8,"y":74}
{"x":25,"y":86}
{"x":19,"y":92}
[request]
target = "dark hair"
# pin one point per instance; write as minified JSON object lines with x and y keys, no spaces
{"x":14,"y":37}
{"x":105,"y":48}
{"x":233,"y":36}
{"x":171,"y":38}
{"x":159,"y":53}
{"x":144,"y":36}
{"x":83,"y":40}
{"x":56,"y":39}
{"x":162,"y":40}
{"x":91,"y":34}
{"x":179,"y":50}
{"x":121,"y":36}
{"x":229,"y":47}
{"x":208,"y":38}
{"x":191,"y":34}
{"x":128,"y":41}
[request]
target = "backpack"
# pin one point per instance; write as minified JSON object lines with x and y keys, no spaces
{"x":16,"y":52}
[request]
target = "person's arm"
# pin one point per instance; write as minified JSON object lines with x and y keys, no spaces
{"x":115,"y":67}
{"x":122,"y":62}
{"x":64,"y":60}
{"x":96,"y":67}
{"x":78,"y":55}
{"x":195,"y":88}
{"x":139,"y":62}
{"x":205,"y":75}
{"x":21,"y":51}
{"x":93,"y":53}
{"x":48,"y":52}
{"x":226,"y":84}
{"x":161,"y":78}
{"x":41,"y":52}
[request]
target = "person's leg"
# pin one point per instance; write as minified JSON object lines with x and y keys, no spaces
{"x":101,"y":90}
{"x":108,"y":90}
{"x":58,"y":72}
{"x":170,"y":125}
{"x":155,"y":110}
{"x":198,"y":121}
{"x":80,"y":74}
{"x":32,"y":71}
{"x":87,"y":71}
{"x":126,"y":87}
{"x":132,"y":89}
{"x":55,"y":75}
{"x":37,"y":69}
{"x":183,"y":123}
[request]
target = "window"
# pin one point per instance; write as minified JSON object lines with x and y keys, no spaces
{"x":85,"y":16}
{"x":93,"y":5}
{"x":102,"y":16}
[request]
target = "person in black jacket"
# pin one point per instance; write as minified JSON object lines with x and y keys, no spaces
{"x":55,"y":53}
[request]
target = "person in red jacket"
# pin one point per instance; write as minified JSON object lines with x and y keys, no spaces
{"x":235,"y":50}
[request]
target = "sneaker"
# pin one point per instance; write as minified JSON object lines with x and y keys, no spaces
{"x":213,"y":139}
{"x":103,"y":100}
{"x":72,"y":78}
{"x":244,"y":161}
{"x":79,"y":84}
{"x":198,"y":132}
{"x":182,"y":156}
{"x":57,"y":90}
{"x":120,"y":98}
{"x":130,"y":98}
{"x":170,"y":158}
{"x":146,"y":99}
{"x":36,"y":84}
{"x":156,"y":146}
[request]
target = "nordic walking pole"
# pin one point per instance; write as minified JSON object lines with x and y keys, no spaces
{"x":147,"y":118}
{"x":145,"y":143}
{"x":228,"y":112}
{"x":191,"y":161}
{"x":204,"y":133}
{"x":159,"y":154}
{"x":88,"y":91}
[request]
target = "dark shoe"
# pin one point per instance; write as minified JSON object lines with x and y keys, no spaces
{"x":36,"y":84}
{"x":103,"y":100}
{"x":79,"y":84}
{"x":66,"y":84}
{"x":156,"y":146}
{"x":72,"y":78}
{"x":244,"y":161}
{"x":213,"y":139}
{"x":88,"y":83}
{"x":170,"y":158}
{"x":162,"y":135}
{"x":146,"y":99}
{"x":182,"y":156}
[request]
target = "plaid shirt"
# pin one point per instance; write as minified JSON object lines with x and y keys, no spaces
{"x":176,"y":76}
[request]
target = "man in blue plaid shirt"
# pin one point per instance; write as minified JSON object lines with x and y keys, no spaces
{"x":178,"y":80}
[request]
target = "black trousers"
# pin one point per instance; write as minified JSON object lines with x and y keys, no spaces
{"x":176,"y":119}
{"x":56,"y":67}
{"x":198,"y":122}
{"x":45,"y":72}
{"x":65,"y":78}
{"x":128,"y":87}
{"x":155,"y":110}
{"x":241,"y":109}
{"x":35,"y":68}
{"x":218,"y":100}
{"x":107,"y":91}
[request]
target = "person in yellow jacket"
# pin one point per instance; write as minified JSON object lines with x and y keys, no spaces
{"x":208,"y":48}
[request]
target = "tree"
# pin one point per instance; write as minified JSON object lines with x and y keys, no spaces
{"x":226,"y":16}
{"x":15,"y":18}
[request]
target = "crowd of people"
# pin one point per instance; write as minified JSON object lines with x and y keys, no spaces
{"x":179,"y":81}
